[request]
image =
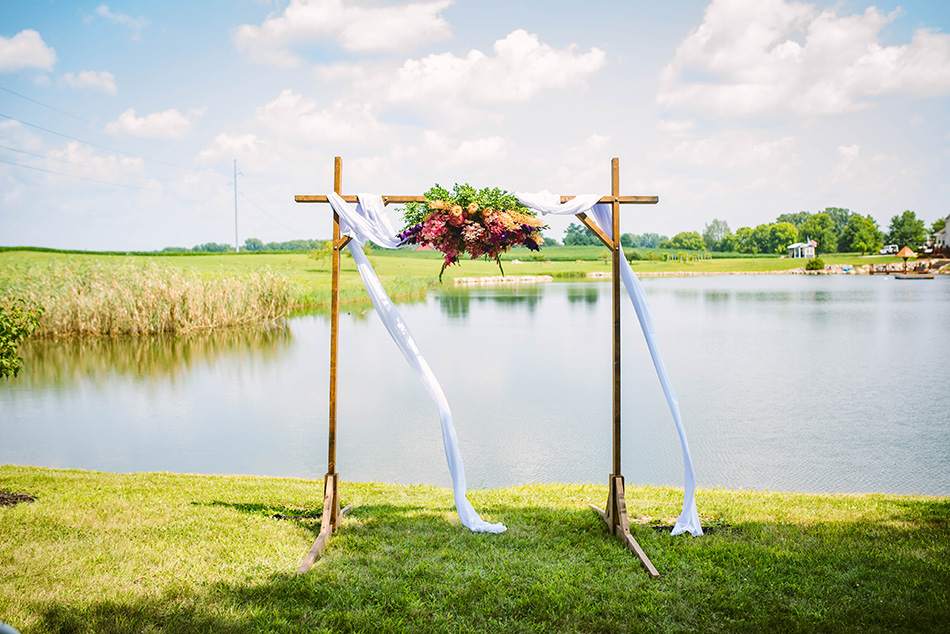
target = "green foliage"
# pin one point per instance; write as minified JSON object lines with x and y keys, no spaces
{"x":798,"y":218}
{"x":839,"y":217}
{"x":463,"y":195}
{"x":715,"y":233}
{"x":815,"y":264}
{"x":861,"y":234}
{"x":745,"y":242}
{"x":938,"y":224}
{"x":579,"y":236}
{"x":213,"y":247}
{"x":906,"y":230}
{"x":18,"y":319}
{"x":782,"y":234}
{"x":820,"y":228}
{"x":642,"y":241}
{"x":688,"y":240}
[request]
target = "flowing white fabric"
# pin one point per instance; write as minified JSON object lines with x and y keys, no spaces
{"x":548,"y":203}
{"x":369,"y":222}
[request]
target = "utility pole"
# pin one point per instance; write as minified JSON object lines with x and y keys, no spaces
{"x":237,"y":249}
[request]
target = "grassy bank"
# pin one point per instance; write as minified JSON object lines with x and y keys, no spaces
{"x":108,"y":553}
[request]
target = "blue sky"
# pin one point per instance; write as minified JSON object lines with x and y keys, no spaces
{"x":121,"y":120}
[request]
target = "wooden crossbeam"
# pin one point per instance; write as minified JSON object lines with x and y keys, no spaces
{"x":615,"y":514}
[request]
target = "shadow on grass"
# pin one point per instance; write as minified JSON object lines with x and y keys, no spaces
{"x":398,"y":568}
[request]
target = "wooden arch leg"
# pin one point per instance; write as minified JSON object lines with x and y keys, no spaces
{"x":328,"y":523}
{"x":617,"y":522}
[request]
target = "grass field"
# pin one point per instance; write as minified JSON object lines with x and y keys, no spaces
{"x":122,"y":553}
{"x":412,"y":273}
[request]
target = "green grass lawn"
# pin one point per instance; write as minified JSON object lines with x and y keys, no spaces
{"x":111,"y":553}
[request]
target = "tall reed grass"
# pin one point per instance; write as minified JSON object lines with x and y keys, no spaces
{"x":135,"y":297}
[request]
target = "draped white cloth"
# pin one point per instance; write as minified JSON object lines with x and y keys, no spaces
{"x":548,"y":203}
{"x":368,"y":221}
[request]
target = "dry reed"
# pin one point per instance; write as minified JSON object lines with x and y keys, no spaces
{"x":132,"y":297}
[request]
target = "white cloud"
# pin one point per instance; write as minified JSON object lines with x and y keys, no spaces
{"x":879,"y":170}
{"x":169,"y":124}
{"x":81,"y":160}
{"x":250,"y":150}
{"x":135,"y":25}
{"x":521,"y":68}
{"x":732,"y":150}
{"x":296,"y":118}
{"x":103,"y":81}
{"x":447,"y":151}
{"x":25,"y":50}
{"x":675,"y":127}
{"x":753,"y":56}
{"x":359,"y":29}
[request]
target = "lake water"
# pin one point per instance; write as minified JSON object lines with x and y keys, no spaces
{"x":797,"y":383}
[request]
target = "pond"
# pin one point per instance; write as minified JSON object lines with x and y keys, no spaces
{"x":786,"y":382}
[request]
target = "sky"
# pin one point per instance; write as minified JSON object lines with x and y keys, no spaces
{"x":120,"y":122}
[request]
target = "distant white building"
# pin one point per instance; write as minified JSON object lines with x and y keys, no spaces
{"x":802,"y":249}
{"x":940,"y":238}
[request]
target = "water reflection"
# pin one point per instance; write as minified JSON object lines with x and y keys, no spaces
{"x":583,"y":294}
{"x":456,"y":301}
{"x":70,"y":361}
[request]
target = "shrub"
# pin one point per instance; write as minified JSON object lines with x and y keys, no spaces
{"x":18,"y":320}
{"x":815,"y":264}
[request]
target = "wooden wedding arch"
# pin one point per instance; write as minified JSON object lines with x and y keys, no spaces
{"x":615,"y":514}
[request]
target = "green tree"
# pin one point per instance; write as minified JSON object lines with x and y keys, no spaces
{"x":906,"y":230}
{"x":782,"y":234}
{"x":798,"y":218}
{"x":579,"y":235}
{"x":714,"y":234}
{"x":18,"y":320}
{"x":688,"y":241}
{"x":253,"y":244}
{"x":860,"y":234}
{"x":839,"y":216}
{"x":212,"y":247}
{"x":744,"y":241}
{"x":820,"y":228}
{"x":728,"y":244}
{"x":938,"y":224}
{"x":648,"y":240}
{"x":760,"y":237}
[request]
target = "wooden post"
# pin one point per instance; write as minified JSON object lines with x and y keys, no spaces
{"x":615,"y":515}
{"x":331,"y":493}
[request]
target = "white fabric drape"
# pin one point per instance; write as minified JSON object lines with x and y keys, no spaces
{"x":548,"y":203}
{"x":368,"y":221}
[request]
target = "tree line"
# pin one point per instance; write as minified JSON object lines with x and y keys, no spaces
{"x":834,"y":229}
{"x":251,"y":244}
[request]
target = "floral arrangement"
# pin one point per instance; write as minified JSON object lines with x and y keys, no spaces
{"x":479,"y":223}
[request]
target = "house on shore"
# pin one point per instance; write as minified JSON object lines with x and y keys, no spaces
{"x":802,"y":249}
{"x":940,"y":237}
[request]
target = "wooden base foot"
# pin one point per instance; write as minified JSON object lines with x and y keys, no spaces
{"x":617,"y":522}
{"x":328,"y":523}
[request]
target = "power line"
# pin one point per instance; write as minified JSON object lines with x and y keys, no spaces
{"x":84,"y":120}
{"x":46,"y":105}
{"x":258,"y":207}
{"x":90,"y":143}
{"x":82,"y":178}
{"x":99,"y":169}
